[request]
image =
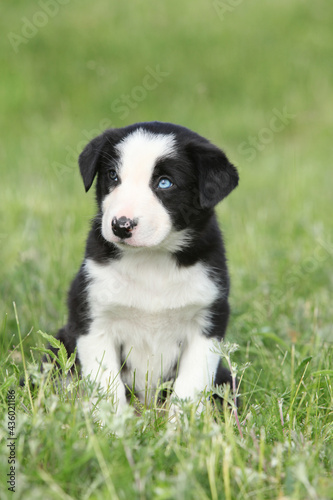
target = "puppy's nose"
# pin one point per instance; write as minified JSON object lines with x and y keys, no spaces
{"x":123,"y":227}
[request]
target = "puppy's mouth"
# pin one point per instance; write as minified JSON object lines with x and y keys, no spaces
{"x":133,"y":240}
{"x":128,"y":242}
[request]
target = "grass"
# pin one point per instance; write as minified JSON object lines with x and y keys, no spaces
{"x":226,"y":74}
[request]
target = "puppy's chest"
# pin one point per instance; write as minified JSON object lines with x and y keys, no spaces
{"x":148,"y":290}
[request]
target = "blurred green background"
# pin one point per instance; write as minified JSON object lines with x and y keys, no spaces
{"x":253,"y":77}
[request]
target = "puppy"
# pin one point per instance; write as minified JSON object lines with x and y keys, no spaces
{"x":151,"y":295}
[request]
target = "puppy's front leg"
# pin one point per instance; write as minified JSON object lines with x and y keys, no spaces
{"x":100,"y":360}
{"x":197,"y":368}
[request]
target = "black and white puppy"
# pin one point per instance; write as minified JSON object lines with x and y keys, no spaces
{"x":152,"y":292}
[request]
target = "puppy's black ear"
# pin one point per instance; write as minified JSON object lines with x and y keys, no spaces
{"x":88,"y":160}
{"x":217,"y":176}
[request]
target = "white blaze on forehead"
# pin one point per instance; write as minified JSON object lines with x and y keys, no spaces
{"x":139,"y":152}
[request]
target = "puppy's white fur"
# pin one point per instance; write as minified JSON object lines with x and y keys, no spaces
{"x":157,"y":312}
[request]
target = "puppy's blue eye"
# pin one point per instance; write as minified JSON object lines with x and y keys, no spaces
{"x":113,"y":175}
{"x":165,"y":183}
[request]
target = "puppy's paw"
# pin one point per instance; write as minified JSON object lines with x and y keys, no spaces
{"x":181,"y":407}
{"x":174,"y":411}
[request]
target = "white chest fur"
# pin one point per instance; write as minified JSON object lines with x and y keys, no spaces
{"x":149,"y":308}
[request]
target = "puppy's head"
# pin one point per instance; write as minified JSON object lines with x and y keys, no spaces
{"x":155,"y":180}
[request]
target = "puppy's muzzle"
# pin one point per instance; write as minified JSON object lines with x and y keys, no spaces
{"x":123,"y":227}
